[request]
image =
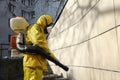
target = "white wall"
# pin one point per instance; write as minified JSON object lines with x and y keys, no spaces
{"x":86,"y":38}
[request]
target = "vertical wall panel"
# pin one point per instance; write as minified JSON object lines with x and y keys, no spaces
{"x":117,"y":11}
{"x":104,"y":51}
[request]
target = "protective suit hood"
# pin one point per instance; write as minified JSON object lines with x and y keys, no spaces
{"x":44,"y":20}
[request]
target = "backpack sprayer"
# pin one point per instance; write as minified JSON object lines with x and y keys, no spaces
{"x":18,"y":25}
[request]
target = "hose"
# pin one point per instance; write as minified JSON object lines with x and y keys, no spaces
{"x":38,"y":51}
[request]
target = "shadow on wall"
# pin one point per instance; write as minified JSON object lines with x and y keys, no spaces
{"x":86,"y":22}
{"x":70,"y":76}
{"x":87,"y":25}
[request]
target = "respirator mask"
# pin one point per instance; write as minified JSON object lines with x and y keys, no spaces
{"x":49,"y":28}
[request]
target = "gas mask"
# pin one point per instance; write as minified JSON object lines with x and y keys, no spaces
{"x":49,"y":28}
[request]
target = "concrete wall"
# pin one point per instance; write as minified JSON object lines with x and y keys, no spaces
{"x":86,"y":38}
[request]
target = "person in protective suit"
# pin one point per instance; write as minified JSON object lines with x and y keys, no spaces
{"x":35,"y":65}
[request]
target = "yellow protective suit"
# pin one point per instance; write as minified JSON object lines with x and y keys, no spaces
{"x":34,"y":65}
